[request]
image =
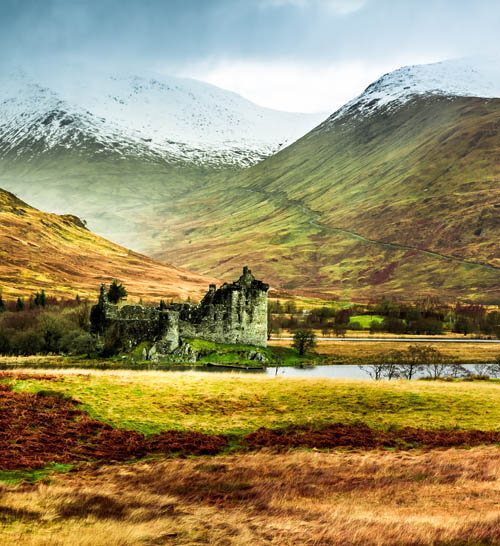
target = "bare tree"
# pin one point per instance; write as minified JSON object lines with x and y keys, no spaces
{"x":481,"y":369}
{"x":375,"y":371}
{"x":434,"y":362}
{"x":381,"y":370}
{"x":410,"y":363}
{"x":487,"y":370}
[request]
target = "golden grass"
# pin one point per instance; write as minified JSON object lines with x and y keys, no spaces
{"x":300,"y":498}
{"x":364,"y":351}
{"x":27,"y":361}
{"x":149,"y":401}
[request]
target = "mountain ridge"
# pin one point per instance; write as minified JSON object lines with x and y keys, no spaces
{"x":453,"y":78}
{"x":159,"y":118}
{"x":420,"y":175}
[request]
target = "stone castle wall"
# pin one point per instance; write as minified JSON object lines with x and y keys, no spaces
{"x":134,"y":324}
{"x":234,"y":313}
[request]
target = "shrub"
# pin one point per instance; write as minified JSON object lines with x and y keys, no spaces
{"x":22,"y":320}
{"x":428,"y":326}
{"x":77,"y":342}
{"x":355,"y":326}
{"x":112,"y":341}
{"x":340,"y":329}
{"x":376,"y":326}
{"x":5,"y":344}
{"x":81,"y":316}
{"x":464,"y":325}
{"x":51,"y":329}
{"x":67,"y":341}
{"x":26,"y":343}
{"x":394,"y":325}
{"x":84,"y":344}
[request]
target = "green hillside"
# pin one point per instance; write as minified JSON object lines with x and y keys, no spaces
{"x":405,"y":202}
{"x":426,"y":176}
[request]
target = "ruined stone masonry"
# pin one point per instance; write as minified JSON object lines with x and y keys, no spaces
{"x":234,"y":313}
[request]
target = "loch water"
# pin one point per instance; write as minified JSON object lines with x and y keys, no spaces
{"x":333,"y":371}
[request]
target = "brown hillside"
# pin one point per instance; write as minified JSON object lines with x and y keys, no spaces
{"x":57,"y":253}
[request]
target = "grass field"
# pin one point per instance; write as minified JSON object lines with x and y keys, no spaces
{"x":150,"y":402}
{"x":326,"y":352}
{"x":366,"y":320}
{"x":435,"y":498}
{"x":365,"y":333}
{"x":302,"y":497}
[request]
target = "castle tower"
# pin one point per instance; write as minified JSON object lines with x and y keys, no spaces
{"x":234,"y":313}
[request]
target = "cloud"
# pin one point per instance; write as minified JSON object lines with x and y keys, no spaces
{"x":345,"y":7}
{"x":297,"y":86}
{"x":280,"y":3}
{"x":339,"y":7}
{"x":324,"y":50}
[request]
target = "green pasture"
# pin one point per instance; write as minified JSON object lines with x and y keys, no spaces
{"x":151,"y":402}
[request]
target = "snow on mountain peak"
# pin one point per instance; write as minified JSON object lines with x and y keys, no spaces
{"x":167,"y":116}
{"x":459,"y":77}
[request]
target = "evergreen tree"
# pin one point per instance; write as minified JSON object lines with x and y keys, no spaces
{"x":2,"y":304}
{"x":77,"y":299}
{"x":116,"y":292}
{"x":163,"y":305}
{"x":40,"y":299}
{"x":20,"y":304}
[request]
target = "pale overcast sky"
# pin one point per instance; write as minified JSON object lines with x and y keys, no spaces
{"x":297,"y":55}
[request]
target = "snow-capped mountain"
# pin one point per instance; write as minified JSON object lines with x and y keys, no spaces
{"x":157,"y":117}
{"x":453,"y":78}
{"x":397,"y":193}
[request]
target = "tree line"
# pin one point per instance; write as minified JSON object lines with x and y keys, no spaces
{"x":426,"y":317}
{"x":43,"y":324}
{"x":424,"y":361}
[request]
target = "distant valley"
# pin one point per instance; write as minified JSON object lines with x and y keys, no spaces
{"x":109,"y":147}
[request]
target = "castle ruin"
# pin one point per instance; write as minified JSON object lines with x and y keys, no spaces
{"x":234,"y":313}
